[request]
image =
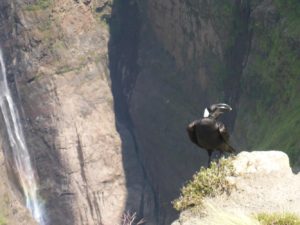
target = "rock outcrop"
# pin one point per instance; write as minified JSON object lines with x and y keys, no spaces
{"x":264,"y":183}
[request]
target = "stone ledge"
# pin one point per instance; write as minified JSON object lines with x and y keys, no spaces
{"x":263,"y":162}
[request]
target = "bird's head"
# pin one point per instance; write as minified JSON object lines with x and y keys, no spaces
{"x":216,"y":110}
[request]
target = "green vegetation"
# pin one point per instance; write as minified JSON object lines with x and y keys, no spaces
{"x":208,"y":182}
{"x":39,"y":5}
{"x":217,"y":216}
{"x":103,"y":14}
{"x":271,"y":82}
{"x":278,"y":219}
{"x":82,"y":61}
{"x":290,"y":10}
{"x":3,"y":221}
{"x":45,"y":25}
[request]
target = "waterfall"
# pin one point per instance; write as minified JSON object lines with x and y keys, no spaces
{"x":19,"y":149}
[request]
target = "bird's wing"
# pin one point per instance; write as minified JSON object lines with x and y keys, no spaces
{"x":225,"y":147}
{"x":191,"y":130}
{"x":223,"y":132}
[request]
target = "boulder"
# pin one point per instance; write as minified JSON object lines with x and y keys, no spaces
{"x":263,"y":162}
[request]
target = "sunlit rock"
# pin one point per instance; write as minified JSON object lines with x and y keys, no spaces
{"x":262,"y":162}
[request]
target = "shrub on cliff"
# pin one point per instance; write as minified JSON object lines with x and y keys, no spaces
{"x":208,"y":182}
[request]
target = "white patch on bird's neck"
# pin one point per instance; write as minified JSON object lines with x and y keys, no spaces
{"x":206,"y":113}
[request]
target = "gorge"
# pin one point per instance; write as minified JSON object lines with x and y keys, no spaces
{"x":105,"y":89}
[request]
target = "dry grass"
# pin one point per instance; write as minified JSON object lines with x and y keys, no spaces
{"x":278,"y":219}
{"x":218,"y":216}
{"x":130,"y":219}
{"x":212,"y":214}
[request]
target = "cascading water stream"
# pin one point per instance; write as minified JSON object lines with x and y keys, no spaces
{"x":19,"y":149}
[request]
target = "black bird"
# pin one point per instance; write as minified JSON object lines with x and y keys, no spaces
{"x":209,"y":133}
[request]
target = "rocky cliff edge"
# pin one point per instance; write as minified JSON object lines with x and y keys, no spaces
{"x":264,"y":183}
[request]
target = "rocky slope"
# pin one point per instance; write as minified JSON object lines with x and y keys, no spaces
{"x":260,"y":186}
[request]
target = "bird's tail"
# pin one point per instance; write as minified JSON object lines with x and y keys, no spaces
{"x":225,"y":147}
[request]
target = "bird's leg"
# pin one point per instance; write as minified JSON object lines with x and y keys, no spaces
{"x":221,"y":154}
{"x":209,"y":156}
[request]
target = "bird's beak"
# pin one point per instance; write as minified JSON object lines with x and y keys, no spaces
{"x":223,"y":107}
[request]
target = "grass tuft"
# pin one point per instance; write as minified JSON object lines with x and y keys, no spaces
{"x":278,"y":219}
{"x":219,"y":216}
{"x":3,"y":220}
{"x":208,"y":182}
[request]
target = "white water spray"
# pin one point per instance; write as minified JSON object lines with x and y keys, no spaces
{"x":19,"y":149}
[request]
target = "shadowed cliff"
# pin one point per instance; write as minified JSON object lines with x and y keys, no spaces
{"x":123,"y":46}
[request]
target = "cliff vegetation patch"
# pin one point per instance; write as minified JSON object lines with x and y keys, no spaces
{"x":278,"y":219}
{"x":39,"y":5}
{"x":208,"y":182}
{"x":271,"y":80}
{"x":3,"y":221}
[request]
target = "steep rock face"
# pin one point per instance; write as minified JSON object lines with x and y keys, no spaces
{"x":59,"y":74}
{"x":12,"y":211}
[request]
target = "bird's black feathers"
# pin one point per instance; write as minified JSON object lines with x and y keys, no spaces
{"x":192,"y":132}
{"x":209,"y":133}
